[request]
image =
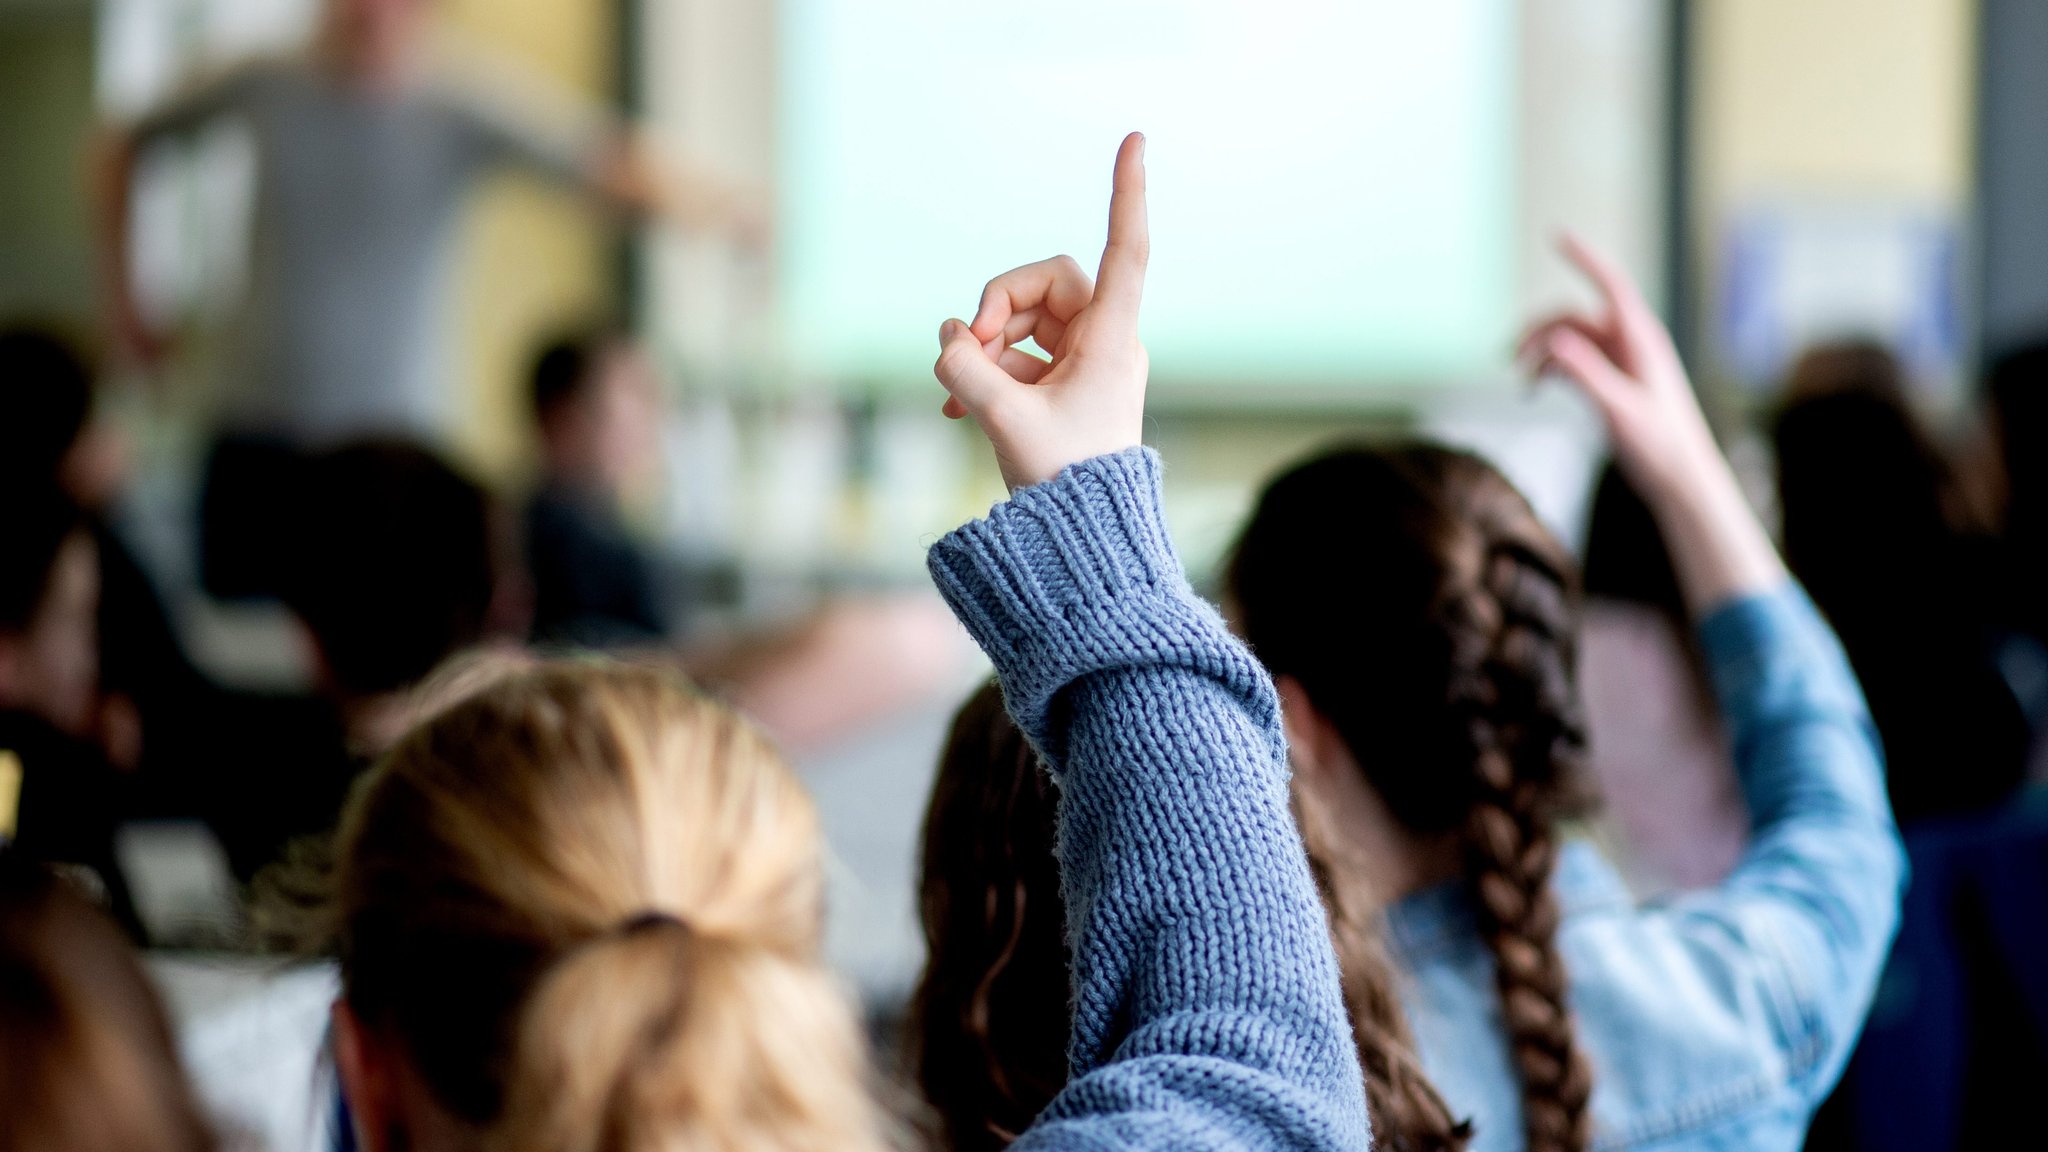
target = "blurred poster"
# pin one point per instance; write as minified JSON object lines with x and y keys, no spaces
{"x":1795,"y":274}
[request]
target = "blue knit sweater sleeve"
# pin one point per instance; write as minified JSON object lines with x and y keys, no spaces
{"x":1207,"y":1012}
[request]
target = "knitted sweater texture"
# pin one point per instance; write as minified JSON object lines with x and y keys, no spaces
{"x":1207,"y":1011}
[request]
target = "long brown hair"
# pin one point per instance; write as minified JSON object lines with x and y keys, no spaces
{"x":586,"y":903}
{"x":1430,"y":616}
{"x":87,"y":1059}
{"x":988,"y":1022}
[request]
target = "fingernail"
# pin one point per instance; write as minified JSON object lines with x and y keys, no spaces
{"x":947,"y":330}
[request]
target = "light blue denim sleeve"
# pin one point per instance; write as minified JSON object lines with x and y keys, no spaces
{"x":1207,"y":1012}
{"x":1814,"y":901}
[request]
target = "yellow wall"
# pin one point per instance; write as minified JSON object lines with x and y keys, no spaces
{"x":1825,"y":104}
{"x":534,"y":258}
{"x":1858,"y":97}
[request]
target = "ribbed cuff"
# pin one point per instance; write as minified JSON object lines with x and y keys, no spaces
{"x":1073,"y":576}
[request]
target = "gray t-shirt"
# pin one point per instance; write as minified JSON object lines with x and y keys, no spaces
{"x":343,"y":331}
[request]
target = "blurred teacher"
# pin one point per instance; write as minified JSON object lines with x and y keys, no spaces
{"x":363,"y":164}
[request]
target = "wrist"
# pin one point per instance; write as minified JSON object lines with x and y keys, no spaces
{"x":1681,"y":487}
{"x":1017,"y":477}
{"x":1718,"y":547}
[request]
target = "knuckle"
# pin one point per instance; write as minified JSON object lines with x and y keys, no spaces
{"x":949,"y":364}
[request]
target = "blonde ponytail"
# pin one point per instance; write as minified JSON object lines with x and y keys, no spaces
{"x":653,"y":1036}
{"x":588,"y":902}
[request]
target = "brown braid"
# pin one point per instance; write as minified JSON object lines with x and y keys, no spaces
{"x":1433,"y":625}
{"x":1527,"y":740}
{"x":1407,"y":1113}
{"x":987,"y":1028}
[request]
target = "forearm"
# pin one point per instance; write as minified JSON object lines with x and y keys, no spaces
{"x":1201,"y":954}
{"x":639,"y":179}
{"x":1202,"y":967}
{"x":1719,"y":550}
{"x":1816,"y":893}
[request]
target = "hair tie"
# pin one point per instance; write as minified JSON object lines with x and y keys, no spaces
{"x":648,"y":920}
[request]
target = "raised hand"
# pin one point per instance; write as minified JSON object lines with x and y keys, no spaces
{"x":1089,"y":399}
{"x":1623,"y":359}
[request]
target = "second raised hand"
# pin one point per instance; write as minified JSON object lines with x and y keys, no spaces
{"x":1089,"y":399}
{"x":1623,"y":359}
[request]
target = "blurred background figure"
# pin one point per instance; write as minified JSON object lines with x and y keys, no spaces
{"x":55,"y":444}
{"x":46,"y":388}
{"x":395,"y":565}
{"x":88,"y":1060}
{"x":364,"y":160}
{"x":596,"y":409}
{"x":1877,"y":525}
{"x":2017,"y":398}
{"x":63,"y":798}
{"x":1871,"y":527}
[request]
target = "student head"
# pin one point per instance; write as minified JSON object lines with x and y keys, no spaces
{"x":87,"y":1062}
{"x":394,"y":568}
{"x":1626,"y":561}
{"x":375,"y":39}
{"x":1861,"y":489}
{"x":1870,"y":530}
{"x":49,"y":605}
{"x":47,"y":439}
{"x":2018,"y":391}
{"x":595,"y":407}
{"x":989,"y":1019}
{"x":1420,"y":623}
{"x":580,"y":907}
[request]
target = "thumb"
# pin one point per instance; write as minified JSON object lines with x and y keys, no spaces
{"x":964,"y":368}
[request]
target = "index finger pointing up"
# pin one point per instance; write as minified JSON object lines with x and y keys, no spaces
{"x":1120,"y":282}
{"x":1620,"y":291}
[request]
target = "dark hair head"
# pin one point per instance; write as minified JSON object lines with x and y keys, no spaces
{"x":1846,"y":366}
{"x":33,"y":528}
{"x":1863,"y":491}
{"x":2018,"y":388}
{"x":395,"y":568}
{"x":1432,"y":619}
{"x":989,"y":1020}
{"x":564,"y":368}
{"x":45,"y":397}
{"x":87,"y":1060}
{"x":1860,"y":486}
{"x":1625,"y":555}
